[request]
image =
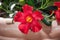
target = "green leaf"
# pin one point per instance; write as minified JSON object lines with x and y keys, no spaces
{"x":30,"y":2}
{"x":45,"y":3}
{"x":51,"y":8}
{"x":46,"y":22}
{"x":37,"y":5}
{"x":45,"y":12}
{"x":18,"y":7}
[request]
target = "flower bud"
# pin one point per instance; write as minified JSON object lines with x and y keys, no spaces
{"x":22,"y":2}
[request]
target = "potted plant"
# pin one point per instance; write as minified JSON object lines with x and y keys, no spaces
{"x":10,"y":8}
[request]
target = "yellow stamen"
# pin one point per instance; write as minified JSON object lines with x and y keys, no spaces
{"x":29,"y":19}
{"x":58,"y":8}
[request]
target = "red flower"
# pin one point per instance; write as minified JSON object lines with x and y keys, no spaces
{"x":57,"y":12}
{"x":57,"y":4}
{"x":28,"y":19}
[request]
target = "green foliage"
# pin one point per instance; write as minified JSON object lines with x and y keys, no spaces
{"x":43,"y":5}
{"x":46,"y":22}
{"x":37,"y":4}
{"x":7,"y":3}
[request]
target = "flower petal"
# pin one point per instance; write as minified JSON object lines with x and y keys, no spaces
{"x":57,"y":14}
{"x":22,"y":19}
{"x":37,"y":15}
{"x":57,"y":4}
{"x":27,"y":9}
{"x":24,"y":28}
{"x":17,"y":16}
{"x":35,"y":26}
